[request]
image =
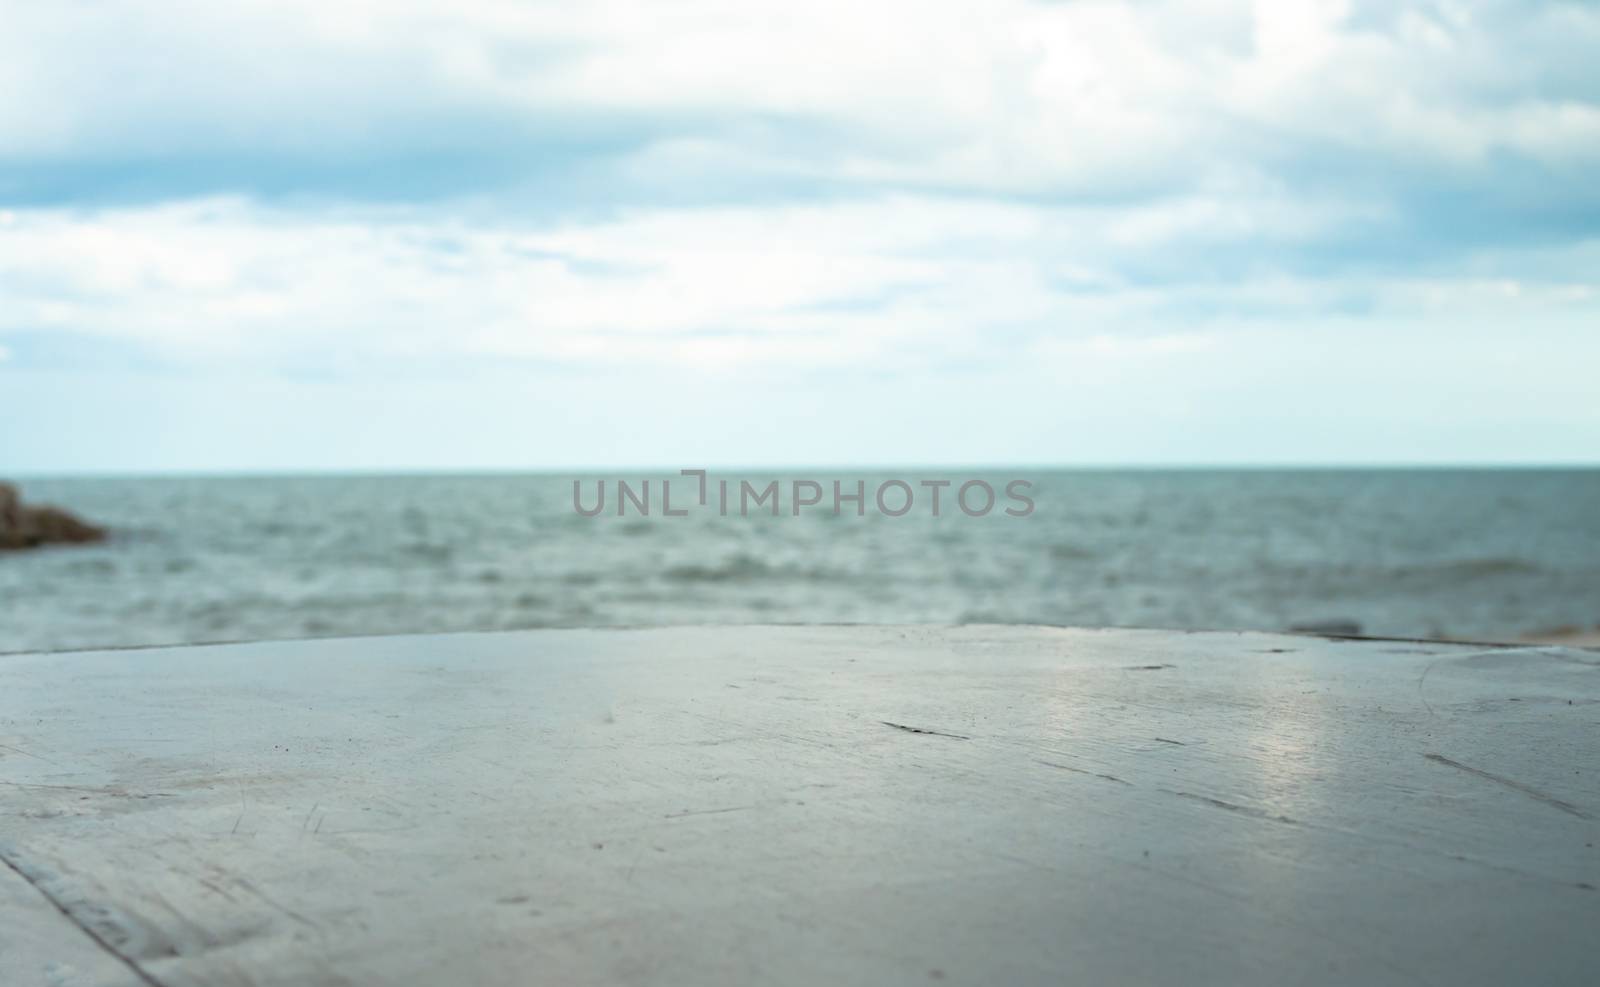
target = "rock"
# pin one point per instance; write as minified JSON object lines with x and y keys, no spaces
{"x":1331,"y":628}
{"x":1570,"y":636}
{"x":22,"y":526}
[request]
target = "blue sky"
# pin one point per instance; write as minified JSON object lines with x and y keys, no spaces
{"x":493,"y":234}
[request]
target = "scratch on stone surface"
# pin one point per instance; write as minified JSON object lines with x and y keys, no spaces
{"x":34,"y":882}
{"x":1515,"y":786}
{"x":18,"y":750}
{"x":1233,"y":807}
{"x":1423,"y":678}
{"x":113,"y":792}
{"x":260,"y":895}
{"x":1175,"y":743}
{"x":1083,"y":771}
{"x":214,"y":886}
{"x":1491,"y":652}
{"x":933,"y":733}
{"x":706,"y":812}
{"x":1147,"y":668}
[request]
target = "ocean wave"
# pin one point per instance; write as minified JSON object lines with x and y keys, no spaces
{"x":1402,"y":554}
{"x":1485,"y":567}
{"x":741,"y":567}
{"x":1454,"y":573}
{"x":1412,"y":577}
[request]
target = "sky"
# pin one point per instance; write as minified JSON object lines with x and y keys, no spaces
{"x":484,"y":234}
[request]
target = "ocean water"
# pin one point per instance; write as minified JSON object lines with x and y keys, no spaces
{"x":1471,"y":554}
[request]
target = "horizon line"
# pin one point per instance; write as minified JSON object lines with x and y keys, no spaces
{"x":591,"y":471}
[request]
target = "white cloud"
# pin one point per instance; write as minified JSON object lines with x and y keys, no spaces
{"x":1009,"y":95}
{"x":1010,"y":188}
{"x":901,"y":281}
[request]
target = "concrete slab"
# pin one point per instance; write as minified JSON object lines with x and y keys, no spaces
{"x":861,"y":805}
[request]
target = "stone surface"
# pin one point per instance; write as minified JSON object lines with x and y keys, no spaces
{"x":802,"y":805}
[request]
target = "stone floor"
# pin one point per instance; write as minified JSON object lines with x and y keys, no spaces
{"x":855,"y":805}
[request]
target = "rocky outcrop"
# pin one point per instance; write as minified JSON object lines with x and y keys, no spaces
{"x":23,"y":526}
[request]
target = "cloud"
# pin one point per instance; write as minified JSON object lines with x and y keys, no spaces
{"x":1059,"y":99}
{"x":903,"y":281}
{"x":334,"y":190}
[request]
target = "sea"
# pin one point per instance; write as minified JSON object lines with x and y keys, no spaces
{"x":1467,"y":554}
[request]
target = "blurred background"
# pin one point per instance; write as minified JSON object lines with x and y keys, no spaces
{"x":1478,"y":555}
{"x":1289,"y":309}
